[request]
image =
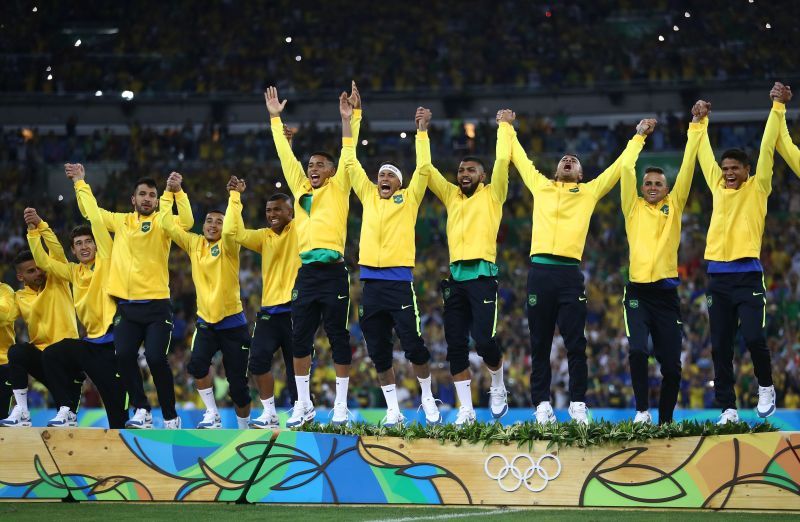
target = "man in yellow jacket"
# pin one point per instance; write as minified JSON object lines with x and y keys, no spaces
{"x":387,"y":250}
{"x":139,"y":282}
{"x":651,"y":306}
{"x":322,"y":287}
{"x":45,"y":304}
{"x":562,"y":209}
{"x":736,"y":295}
{"x":94,"y":354}
{"x":277,"y":246}
{"x":221,"y":325}
{"x":474,"y":210}
{"x":7,"y":339}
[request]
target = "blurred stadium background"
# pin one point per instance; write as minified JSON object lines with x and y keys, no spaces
{"x":142,"y":88}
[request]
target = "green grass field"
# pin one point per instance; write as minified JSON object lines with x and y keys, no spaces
{"x":195,"y":512}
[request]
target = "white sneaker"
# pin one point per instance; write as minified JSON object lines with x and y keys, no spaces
{"x":393,"y":419}
{"x":643,"y":417}
{"x":19,"y":418}
{"x":729,"y":415}
{"x":301,"y":413}
{"x":766,"y":401}
{"x":432,"y":414}
{"x":498,"y":403}
{"x":265,"y":422}
{"x":142,"y":419}
{"x":544,"y":413}
{"x":579,"y":412}
{"x":173,"y":424}
{"x":211,"y":421}
{"x":63,"y":419}
{"x":465,"y":417}
{"x":341,"y":415}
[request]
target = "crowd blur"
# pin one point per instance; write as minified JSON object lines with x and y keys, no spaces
{"x":239,"y":47}
{"x":207,"y":156}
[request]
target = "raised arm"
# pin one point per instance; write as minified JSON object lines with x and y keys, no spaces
{"x":530,"y":175}
{"x":292,"y":169}
{"x":627,"y":169}
{"x":230,"y":224}
{"x":111,"y":220}
{"x":83,"y":193}
{"x":766,"y":153}
{"x":353,"y":126}
{"x":250,"y":239}
{"x":8,"y":304}
{"x":52,"y":263}
{"x":683,"y":182}
{"x":174,"y":230}
{"x":705,"y":156}
{"x":499,"y":183}
{"x":185,"y":217}
{"x":358,"y":177}
{"x":603,"y":183}
{"x":342,"y":178}
{"x":443,"y":189}
{"x":786,"y":148}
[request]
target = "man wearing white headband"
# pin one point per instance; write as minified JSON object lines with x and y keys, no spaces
{"x":387,"y":257}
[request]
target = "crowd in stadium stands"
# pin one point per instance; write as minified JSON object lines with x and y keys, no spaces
{"x":211,"y":156}
{"x":239,"y":46}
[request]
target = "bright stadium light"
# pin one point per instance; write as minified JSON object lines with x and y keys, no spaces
{"x":661,"y":38}
{"x":35,"y":9}
{"x":768,"y":26}
{"x":60,"y":197}
{"x":78,"y":42}
{"x":49,"y":68}
{"x":98,"y":93}
{"x":675,"y":28}
{"x":127,"y":95}
{"x":288,"y":39}
{"x":278,"y":184}
{"x":49,"y":76}
{"x":403,"y":135}
{"x":687,"y":14}
{"x":298,"y":58}
{"x":364,"y":142}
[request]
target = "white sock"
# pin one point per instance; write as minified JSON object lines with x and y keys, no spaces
{"x":425,"y":386}
{"x":464,"y":392}
{"x":390,"y":394}
{"x":303,"y":388}
{"x":21,"y":398}
{"x":497,"y":377}
{"x":208,"y":398}
{"x":243,"y":423}
{"x":341,"y":389}
{"x":269,"y":405}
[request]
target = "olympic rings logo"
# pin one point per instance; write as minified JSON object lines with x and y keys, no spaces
{"x":522,"y":476}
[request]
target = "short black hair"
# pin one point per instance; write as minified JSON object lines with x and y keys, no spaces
{"x":736,"y":154}
{"x":571,"y":154}
{"x":657,"y":170}
{"x":23,"y":256}
{"x":280,"y":196}
{"x":323,"y":154}
{"x":215,"y":211}
{"x":150,"y":182}
{"x":476,"y":159}
{"x":80,"y":230}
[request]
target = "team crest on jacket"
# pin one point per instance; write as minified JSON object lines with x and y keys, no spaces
{"x":446,"y":294}
{"x":215,"y":250}
{"x":634,"y":303}
{"x":709,"y":301}
{"x":532,"y":300}
{"x":398,"y":198}
{"x":361,"y":310}
{"x":665,"y":210}
{"x":575,"y":189}
{"x":117,"y":319}
{"x":146,"y":226}
{"x":294,"y":294}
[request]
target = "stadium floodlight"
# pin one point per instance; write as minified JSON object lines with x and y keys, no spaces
{"x":403,"y":135}
{"x":49,"y":77}
{"x":98,"y":93}
{"x":768,"y":26}
{"x":35,"y":9}
{"x":364,"y":142}
{"x":661,"y":38}
{"x":127,"y":95}
{"x":298,"y":58}
{"x":676,"y":28}
{"x":61,"y":197}
{"x":49,"y":68}
{"x":687,"y":14}
{"x":78,"y":42}
{"x":278,"y":184}
{"x":288,"y":39}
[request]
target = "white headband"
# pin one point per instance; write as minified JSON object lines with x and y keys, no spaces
{"x":394,"y":170}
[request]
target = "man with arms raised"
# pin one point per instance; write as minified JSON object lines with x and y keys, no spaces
{"x":474,"y":210}
{"x":139,"y":282}
{"x":562,"y":209}
{"x":322,"y":287}
{"x":387,"y":257}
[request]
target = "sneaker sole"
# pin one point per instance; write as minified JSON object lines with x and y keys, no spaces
{"x":257,"y":426}
{"x":18,"y":425}
{"x":437,"y":422}
{"x":765,"y":415}
{"x":213,"y":427}
{"x":303,"y":421}
{"x":67,"y":425}
{"x":138,"y":427}
{"x":502,"y":413}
